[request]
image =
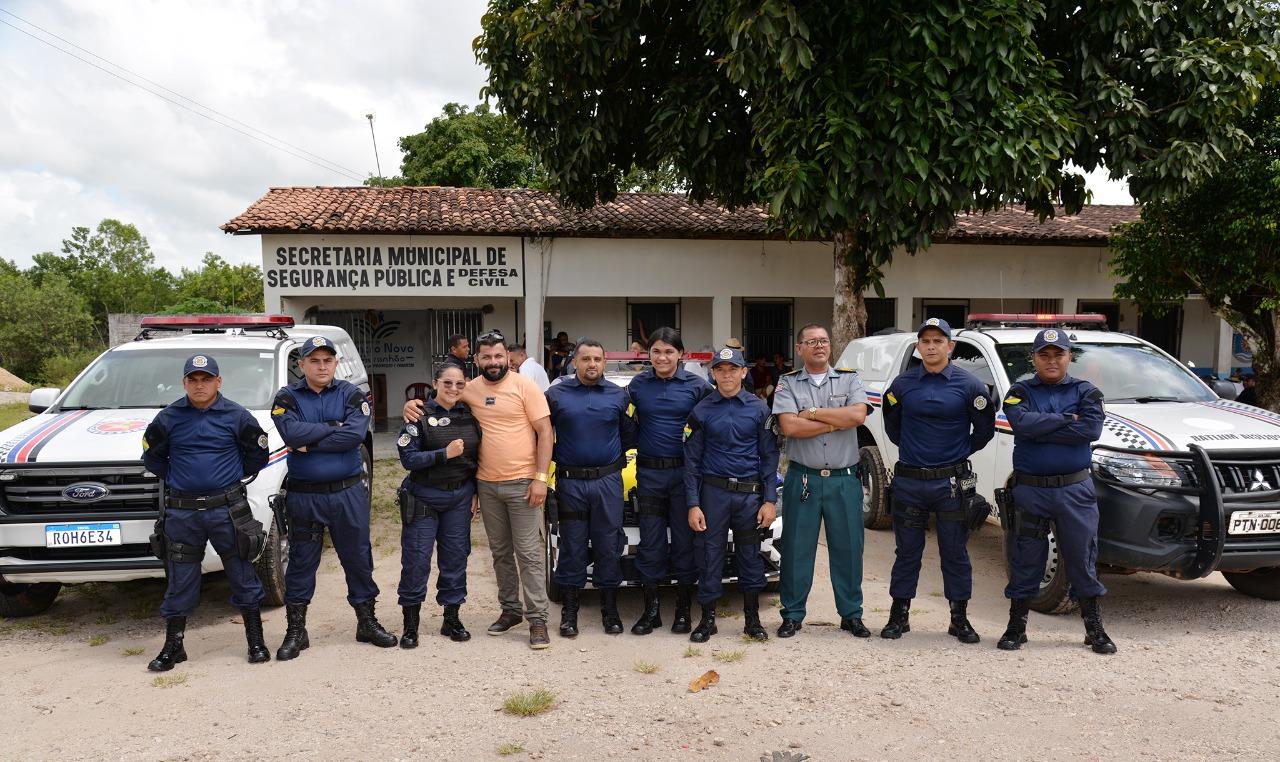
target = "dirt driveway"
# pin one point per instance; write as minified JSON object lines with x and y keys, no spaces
{"x":1196,"y":678}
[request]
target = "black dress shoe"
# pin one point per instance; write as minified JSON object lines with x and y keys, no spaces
{"x":855,"y":626}
{"x":789,"y":628}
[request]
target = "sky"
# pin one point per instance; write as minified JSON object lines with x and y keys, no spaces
{"x":78,"y":144}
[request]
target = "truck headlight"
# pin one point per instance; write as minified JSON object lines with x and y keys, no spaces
{"x":1138,"y":469}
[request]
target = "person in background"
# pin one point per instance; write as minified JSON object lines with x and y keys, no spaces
{"x":459,"y":352}
{"x":525,"y":365}
{"x":762,"y":377}
{"x":1249,"y":395}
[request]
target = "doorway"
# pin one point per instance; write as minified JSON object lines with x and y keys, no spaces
{"x":954,"y":311}
{"x":1109,"y":310}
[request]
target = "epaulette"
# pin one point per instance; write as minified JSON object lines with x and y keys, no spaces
{"x":846,"y":370}
{"x":791,"y":372}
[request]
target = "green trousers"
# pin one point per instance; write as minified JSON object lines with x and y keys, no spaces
{"x":837,"y":501}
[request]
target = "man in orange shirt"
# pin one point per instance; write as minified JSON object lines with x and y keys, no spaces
{"x":515,"y":456}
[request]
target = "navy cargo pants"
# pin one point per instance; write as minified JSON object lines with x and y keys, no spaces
{"x":725,"y":510}
{"x":346,"y":514}
{"x":661,"y":505}
{"x":195,"y":528}
{"x":447,"y":526}
{"x":590,"y":511}
{"x":913,"y":501}
{"x":1073,"y":509}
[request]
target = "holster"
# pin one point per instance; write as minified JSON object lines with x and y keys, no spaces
{"x":551,"y":508}
{"x":412,"y":507}
{"x":159,"y":541}
{"x":975,"y":507}
{"x":251,"y":536}
{"x":281,"y":513}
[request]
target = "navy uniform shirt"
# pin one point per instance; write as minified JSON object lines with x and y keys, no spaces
{"x":331,"y":424}
{"x":1047,"y":439}
{"x":203,"y":452}
{"x":662,"y":408}
{"x":422,"y":446}
{"x":592,"y":424}
{"x":731,"y":437}
{"x":937,"y":419}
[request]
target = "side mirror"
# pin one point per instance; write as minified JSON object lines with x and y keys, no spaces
{"x":42,"y":399}
{"x":1224,"y":389}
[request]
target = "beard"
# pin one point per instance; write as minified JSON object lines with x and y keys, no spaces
{"x":495,"y":372}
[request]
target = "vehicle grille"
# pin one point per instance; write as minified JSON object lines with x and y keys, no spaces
{"x":1237,"y":477}
{"x":39,"y":491}
{"x":97,"y":553}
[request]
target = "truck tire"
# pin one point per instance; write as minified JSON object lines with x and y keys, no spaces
{"x":1053,"y":597}
{"x":27,"y":599}
{"x":271,"y":565}
{"x":1259,"y":583}
{"x":875,"y":492}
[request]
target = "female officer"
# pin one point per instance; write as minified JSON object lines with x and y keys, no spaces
{"x":437,"y":501}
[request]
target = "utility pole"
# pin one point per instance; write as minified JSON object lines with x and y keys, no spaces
{"x":376,"y":161}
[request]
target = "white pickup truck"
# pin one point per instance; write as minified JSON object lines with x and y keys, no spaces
{"x":76,"y":502}
{"x":1187,"y":483}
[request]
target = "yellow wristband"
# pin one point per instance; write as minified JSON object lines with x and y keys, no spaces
{"x":544,"y":478}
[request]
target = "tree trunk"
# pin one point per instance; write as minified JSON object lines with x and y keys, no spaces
{"x":849,"y":308}
{"x":1266,"y":358}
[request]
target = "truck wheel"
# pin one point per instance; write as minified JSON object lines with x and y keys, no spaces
{"x":875,"y":493}
{"x":553,"y":589}
{"x":1053,"y":597}
{"x":27,"y":599}
{"x":271,"y":565}
{"x":1259,"y":583}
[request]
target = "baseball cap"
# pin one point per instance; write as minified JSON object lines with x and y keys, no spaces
{"x":200,"y":364}
{"x":729,"y":355}
{"x":938,"y":323}
{"x":314,"y":343}
{"x":1051,"y":337}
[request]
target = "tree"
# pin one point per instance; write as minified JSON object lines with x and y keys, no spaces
{"x":478,"y":148}
{"x":217,"y":282}
{"x":1221,"y":239}
{"x":38,"y":321}
{"x":874,"y":125}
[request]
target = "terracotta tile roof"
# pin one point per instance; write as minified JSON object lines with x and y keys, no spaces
{"x":523,"y":212}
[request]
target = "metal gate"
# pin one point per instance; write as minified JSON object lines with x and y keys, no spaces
{"x":441,"y":324}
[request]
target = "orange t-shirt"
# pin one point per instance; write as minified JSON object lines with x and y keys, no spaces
{"x":506,"y":411}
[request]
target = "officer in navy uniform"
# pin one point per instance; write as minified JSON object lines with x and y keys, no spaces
{"x":202,"y":446}
{"x":594,"y":429}
{"x":1055,"y":418}
{"x":324,"y":422}
{"x":437,"y":501}
{"x":730,"y":477}
{"x":663,"y":396}
{"x":938,"y":415}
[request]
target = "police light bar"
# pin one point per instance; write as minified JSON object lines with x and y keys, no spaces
{"x":198,"y":322}
{"x":687,"y":357}
{"x":1035,"y":319}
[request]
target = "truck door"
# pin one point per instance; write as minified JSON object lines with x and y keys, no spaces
{"x":969,"y":355}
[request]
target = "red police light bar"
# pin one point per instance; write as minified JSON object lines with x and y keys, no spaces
{"x":246,"y":322}
{"x":1085,"y":319}
{"x":688,"y":356}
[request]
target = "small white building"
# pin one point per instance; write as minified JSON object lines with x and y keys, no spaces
{"x":404,"y":268}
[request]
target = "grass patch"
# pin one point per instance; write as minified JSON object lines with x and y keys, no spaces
{"x":56,"y":627}
{"x":134,"y":651}
{"x":97,"y":640}
{"x":645,"y":667}
{"x":168,"y":681}
{"x":692,"y":651}
{"x":12,"y":413}
{"x":510,"y":747}
{"x":142,"y":609}
{"x":529,"y":703}
{"x":107,"y":617}
{"x":745,"y":638}
{"x":729,"y":657}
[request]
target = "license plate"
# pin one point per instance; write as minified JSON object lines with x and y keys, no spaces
{"x":1254,"y":522}
{"x":80,"y":535}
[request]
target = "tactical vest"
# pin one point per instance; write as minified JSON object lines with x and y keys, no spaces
{"x":461,"y":425}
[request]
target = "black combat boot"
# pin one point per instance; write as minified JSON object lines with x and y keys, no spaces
{"x":569,"y":613}
{"x":751,"y":617}
{"x":899,"y":619}
{"x":683,"y":620}
{"x":452,"y":625}
{"x":609,"y":611}
{"x":1016,"y":633}
{"x":706,"y":625}
{"x":295,"y":636}
{"x":651,"y":619}
{"x":368,"y":629}
{"x":172,"y":652}
{"x":1094,"y":635}
{"x":412,"y":618}
{"x":258,"y":652}
{"x":960,"y":627}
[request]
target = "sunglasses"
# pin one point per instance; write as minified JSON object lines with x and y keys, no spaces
{"x":452,"y":384}
{"x":490,"y":336}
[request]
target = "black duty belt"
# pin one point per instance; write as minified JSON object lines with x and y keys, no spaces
{"x":447,"y":486}
{"x":733,"y":485}
{"x":659,"y":463}
{"x":201,"y":502}
{"x":1059,"y":480}
{"x":424,"y":478}
{"x":293,"y":485}
{"x":803,"y":469}
{"x":589,"y":472}
{"x":929,"y":474}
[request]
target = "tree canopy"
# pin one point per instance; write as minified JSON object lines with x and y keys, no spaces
{"x":1221,"y":239}
{"x":874,"y":125}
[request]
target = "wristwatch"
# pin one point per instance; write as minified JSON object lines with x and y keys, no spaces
{"x":813,"y":413}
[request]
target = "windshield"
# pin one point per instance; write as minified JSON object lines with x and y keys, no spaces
{"x":153,"y":378}
{"x":1124,"y":372}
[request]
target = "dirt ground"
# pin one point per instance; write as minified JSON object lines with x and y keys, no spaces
{"x":1196,"y":678}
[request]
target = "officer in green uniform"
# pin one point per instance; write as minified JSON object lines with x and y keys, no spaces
{"x":819,"y":409}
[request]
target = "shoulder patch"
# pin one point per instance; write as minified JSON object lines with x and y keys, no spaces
{"x":403,"y":441}
{"x":283,"y":403}
{"x":263,"y":441}
{"x":1012,"y":400}
{"x":980,"y":402}
{"x":1094,"y":395}
{"x":411,"y":430}
{"x":364,"y":407}
{"x":892,"y":400}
